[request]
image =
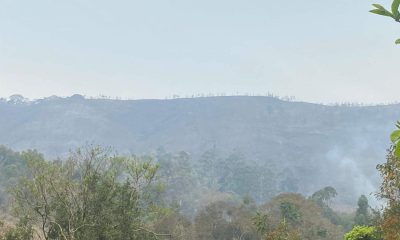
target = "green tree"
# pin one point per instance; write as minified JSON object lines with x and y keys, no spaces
{"x":395,"y":138}
{"x":394,"y":13}
{"x":290,"y":212}
{"x":323,"y":198}
{"x":92,"y":195}
{"x":363,"y":233}
{"x":362,"y":216}
{"x":11,"y":167}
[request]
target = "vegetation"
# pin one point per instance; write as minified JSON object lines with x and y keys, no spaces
{"x":389,"y":222}
{"x":12,"y":166}
{"x":363,"y":215}
{"x":300,"y":216}
{"x":363,"y":233}
{"x":225,"y":220}
{"x":389,"y":191}
{"x":92,"y":195}
{"x":395,"y":138}
{"x":95,"y":194}
{"x":394,"y":13}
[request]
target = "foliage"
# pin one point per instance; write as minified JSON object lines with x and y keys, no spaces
{"x":173,"y":225}
{"x":300,"y":215}
{"x":192,"y":185}
{"x":236,"y":174}
{"x":12,"y":166}
{"x":21,"y":231}
{"x":283,"y":233}
{"x":290,"y":212}
{"x":363,"y":216}
{"x":363,"y":233}
{"x":280,"y":232}
{"x":323,"y":198}
{"x":390,"y":192}
{"x":97,"y":195}
{"x":92,"y":195}
{"x":181,"y":183}
{"x":225,"y":220}
{"x":395,"y":138}
{"x":395,"y":14}
{"x":346,"y":220}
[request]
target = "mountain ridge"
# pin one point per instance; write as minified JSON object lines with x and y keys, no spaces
{"x":335,"y":144}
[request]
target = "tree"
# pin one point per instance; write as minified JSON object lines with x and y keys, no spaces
{"x":181,"y":185}
{"x":21,"y":231}
{"x":174,"y":225}
{"x":225,"y":220}
{"x":236,"y":174}
{"x":390,"y":192}
{"x":394,"y":13}
{"x":209,"y":167}
{"x":92,"y":195}
{"x":290,"y":212}
{"x":362,"y":216}
{"x":363,"y":233}
{"x":395,"y":138}
{"x":299,"y":216}
{"x":282,"y":232}
{"x":12,"y":166}
{"x":323,"y":198}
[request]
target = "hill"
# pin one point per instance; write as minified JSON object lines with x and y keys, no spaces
{"x":309,"y":145}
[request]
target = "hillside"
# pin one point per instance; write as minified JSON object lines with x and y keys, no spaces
{"x":338,"y":145}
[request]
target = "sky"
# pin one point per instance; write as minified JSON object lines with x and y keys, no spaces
{"x":318,"y":51}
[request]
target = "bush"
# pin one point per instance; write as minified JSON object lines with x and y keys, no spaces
{"x":363,"y":233}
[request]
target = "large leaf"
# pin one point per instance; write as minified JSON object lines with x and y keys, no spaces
{"x":378,"y":6}
{"x":395,"y":136}
{"x":398,"y":41}
{"x":395,"y":9}
{"x":382,"y":12}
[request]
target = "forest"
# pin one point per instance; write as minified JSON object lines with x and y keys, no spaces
{"x":96,"y":193}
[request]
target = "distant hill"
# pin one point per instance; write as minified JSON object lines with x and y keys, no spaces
{"x":318,"y":145}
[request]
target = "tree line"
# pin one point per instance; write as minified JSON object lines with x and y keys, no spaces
{"x":98,"y":194}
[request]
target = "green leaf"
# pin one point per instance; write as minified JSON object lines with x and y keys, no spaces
{"x":378,"y":6}
{"x":382,"y":12}
{"x":395,"y":9}
{"x":397,"y":150}
{"x":397,"y":41}
{"x":395,"y":136}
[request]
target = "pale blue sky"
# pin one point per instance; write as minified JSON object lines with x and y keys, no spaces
{"x":318,"y":51}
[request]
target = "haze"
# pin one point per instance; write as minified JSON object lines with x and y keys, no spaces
{"x":154,"y":49}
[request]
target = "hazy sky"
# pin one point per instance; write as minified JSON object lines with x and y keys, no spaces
{"x":318,"y":51}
